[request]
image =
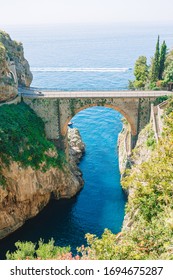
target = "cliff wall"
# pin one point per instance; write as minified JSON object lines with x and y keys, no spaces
{"x":147,"y":231}
{"x":14,"y":68}
{"x":27,"y":191}
{"x":32,"y":170}
{"x":76,"y":149}
{"x":128,"y":164}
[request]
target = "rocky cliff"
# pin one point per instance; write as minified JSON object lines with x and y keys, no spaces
{"x":123,"y":155}
{"x":27,"y":191}
{"x":140,"y":154}
{"x":147,"y":231}
{"x":32,"y":170}
{"x":76,"y":146}
{"x":76,"y":151}
{"x":14,"y":68}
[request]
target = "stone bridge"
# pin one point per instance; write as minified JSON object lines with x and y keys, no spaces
{"x":56,"y":108}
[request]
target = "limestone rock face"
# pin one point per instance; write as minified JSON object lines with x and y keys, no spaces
{"x":27,"y":191}
{"x":76,"y":146}
{"x":140,"y":154}
{"x":76,"y":151}
{"x":14,"y":68}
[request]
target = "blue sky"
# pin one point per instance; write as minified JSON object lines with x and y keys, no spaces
{"x":84,"y":11}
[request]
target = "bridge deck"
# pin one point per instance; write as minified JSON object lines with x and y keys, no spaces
{"x":90,"y":94}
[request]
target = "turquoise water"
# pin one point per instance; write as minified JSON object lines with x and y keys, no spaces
{"x":90,"y":58}
{"x":102,"y":200}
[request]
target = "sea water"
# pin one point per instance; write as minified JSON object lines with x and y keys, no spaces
{"x":86,"y":58}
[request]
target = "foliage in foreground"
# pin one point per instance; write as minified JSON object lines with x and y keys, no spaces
{"x":40,"y":251}
{"x":22,"y":139}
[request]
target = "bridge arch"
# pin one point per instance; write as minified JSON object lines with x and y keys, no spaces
{"x":57,"y":108}
{"x":116,"y":108}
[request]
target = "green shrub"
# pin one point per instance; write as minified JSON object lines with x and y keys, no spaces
{"x":50,"y":251}
{"x":22,"y":139}
{"x":160,"y":99}
{"x":151,"y":141}
{"x":24,"y":250}
{"x":29,"y":250}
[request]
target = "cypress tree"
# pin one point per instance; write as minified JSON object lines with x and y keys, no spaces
{"x":162,"y":60}
{"x":156,"y":63}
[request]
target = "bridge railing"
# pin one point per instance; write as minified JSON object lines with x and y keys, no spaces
{"x":95,"y":94}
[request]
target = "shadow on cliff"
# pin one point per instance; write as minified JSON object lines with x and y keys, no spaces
{"x":55,"y":218}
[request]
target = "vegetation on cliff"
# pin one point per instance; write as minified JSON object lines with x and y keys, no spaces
{"x":6,"y":78}
{"x":22,"y":139}
{"x":158,"y":74}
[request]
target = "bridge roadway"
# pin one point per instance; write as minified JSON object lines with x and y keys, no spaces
{"x":36,"y":93}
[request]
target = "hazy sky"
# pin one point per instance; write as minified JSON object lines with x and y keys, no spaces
{"x":85,"y":11}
